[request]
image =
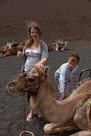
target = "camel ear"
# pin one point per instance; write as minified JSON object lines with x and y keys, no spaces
{"x":46,"y":70}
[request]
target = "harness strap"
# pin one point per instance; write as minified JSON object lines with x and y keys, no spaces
{"x":82,"y":106}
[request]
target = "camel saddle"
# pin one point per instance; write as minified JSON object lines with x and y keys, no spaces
{"x":12,"y":44}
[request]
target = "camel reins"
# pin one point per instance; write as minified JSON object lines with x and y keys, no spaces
{"x":25,"y":132}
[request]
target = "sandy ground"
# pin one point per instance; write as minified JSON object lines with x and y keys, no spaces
{"x":70,"y":20}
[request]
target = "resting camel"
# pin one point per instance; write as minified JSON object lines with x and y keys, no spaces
{"x":61,"y":115}
{"x":49,"y":48}
{"x":8,"y":50}
{"x":61,"y":45}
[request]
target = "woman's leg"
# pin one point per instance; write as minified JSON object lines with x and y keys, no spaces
{"x":30,"y":115}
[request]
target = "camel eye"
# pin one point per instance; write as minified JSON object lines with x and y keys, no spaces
{"x":30,"y":80}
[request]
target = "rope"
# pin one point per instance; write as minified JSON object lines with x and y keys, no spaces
{"x":24,"y":132}
{"x":24,"y":112}
{"x":24,"y":116}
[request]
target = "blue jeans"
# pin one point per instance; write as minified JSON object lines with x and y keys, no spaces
{"x":56,"y":76}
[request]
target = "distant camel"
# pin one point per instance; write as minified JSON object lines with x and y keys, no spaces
{"x":60,"y":45}
{"x":11,"y":49}
{"x":62,"y":114}
{"x":49,"y":48}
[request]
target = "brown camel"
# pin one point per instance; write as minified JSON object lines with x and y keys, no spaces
{"x":8,"y":50}
{"x":49,"y":48}
{"x":60,"y":45}
{"x":61,"y":115}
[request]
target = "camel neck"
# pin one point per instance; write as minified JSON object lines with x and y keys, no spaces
{"x":51,"y":109}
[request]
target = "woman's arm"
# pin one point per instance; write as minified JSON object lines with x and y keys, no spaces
{"x":44,"y":50}
{"x":40,"y":63}
{"x":20,"y":54}
{"x":44,"y":55}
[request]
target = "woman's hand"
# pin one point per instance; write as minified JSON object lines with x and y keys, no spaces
{"x":38,"y":65}
{"x":20,"y":54}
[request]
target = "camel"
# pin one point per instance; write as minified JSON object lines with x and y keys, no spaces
{"x":11,"y":49}
{"x":49,"y":48}
{"x":62,"y":115}
{"x":60,"y":45}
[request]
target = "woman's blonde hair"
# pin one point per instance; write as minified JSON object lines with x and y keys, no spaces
{"x":30,"y":40}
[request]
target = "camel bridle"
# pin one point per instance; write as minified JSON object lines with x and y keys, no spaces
{"x":39,"y":82}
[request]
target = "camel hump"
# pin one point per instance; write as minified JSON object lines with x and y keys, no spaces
{"x":88,"y":113}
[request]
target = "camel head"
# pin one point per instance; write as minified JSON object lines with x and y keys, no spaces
{"x":28,"y":81}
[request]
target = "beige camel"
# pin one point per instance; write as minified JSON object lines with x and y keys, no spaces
{"x":8,"y":50}
{"x":60,"y":45}
{"x":61,"y":115}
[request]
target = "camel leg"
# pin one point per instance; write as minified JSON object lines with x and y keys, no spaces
{"x":57,"y":47}
{"x":1,"y":55}
{"x":80,"y":119}
{"x":82,"y":133}
{"x":1,"y":50}
{"x":6,"y":54}
{"x":57,"y":127}
{"x":64,"y":47}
